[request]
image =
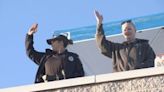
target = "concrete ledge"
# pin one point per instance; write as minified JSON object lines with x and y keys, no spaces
{"x":130,"y":74}
{"x":141,"y":80}
{"x":52,"y":85}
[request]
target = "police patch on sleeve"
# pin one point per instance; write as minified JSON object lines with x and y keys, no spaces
{"x":70,"y":58}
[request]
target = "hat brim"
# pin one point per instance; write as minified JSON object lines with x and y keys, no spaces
{"x":49,"y":41}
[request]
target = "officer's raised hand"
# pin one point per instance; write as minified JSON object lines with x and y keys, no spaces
{"x":33,"y":29}
{"x":99,"y":17}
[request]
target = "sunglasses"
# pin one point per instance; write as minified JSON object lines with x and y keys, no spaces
{"x":127,"y":21}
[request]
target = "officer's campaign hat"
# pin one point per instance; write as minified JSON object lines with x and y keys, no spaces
{"x":65,"y":37}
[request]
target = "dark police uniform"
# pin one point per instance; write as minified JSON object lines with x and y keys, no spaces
{"x":55,"y":66}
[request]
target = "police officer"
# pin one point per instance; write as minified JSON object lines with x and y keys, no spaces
{"x":55,"y":64}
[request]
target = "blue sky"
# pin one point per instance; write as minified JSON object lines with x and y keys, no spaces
{"x":16,"y":16}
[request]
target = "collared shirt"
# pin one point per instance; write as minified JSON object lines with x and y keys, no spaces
{"x":54,"y":64}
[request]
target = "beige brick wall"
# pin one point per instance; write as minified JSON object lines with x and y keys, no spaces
{"x":144,"y":84}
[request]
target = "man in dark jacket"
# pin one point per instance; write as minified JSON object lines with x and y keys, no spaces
{"x":132,"y":54}
{"x":55,"y":64}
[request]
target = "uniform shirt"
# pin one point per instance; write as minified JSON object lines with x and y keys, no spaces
{"x":54,"y":64}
